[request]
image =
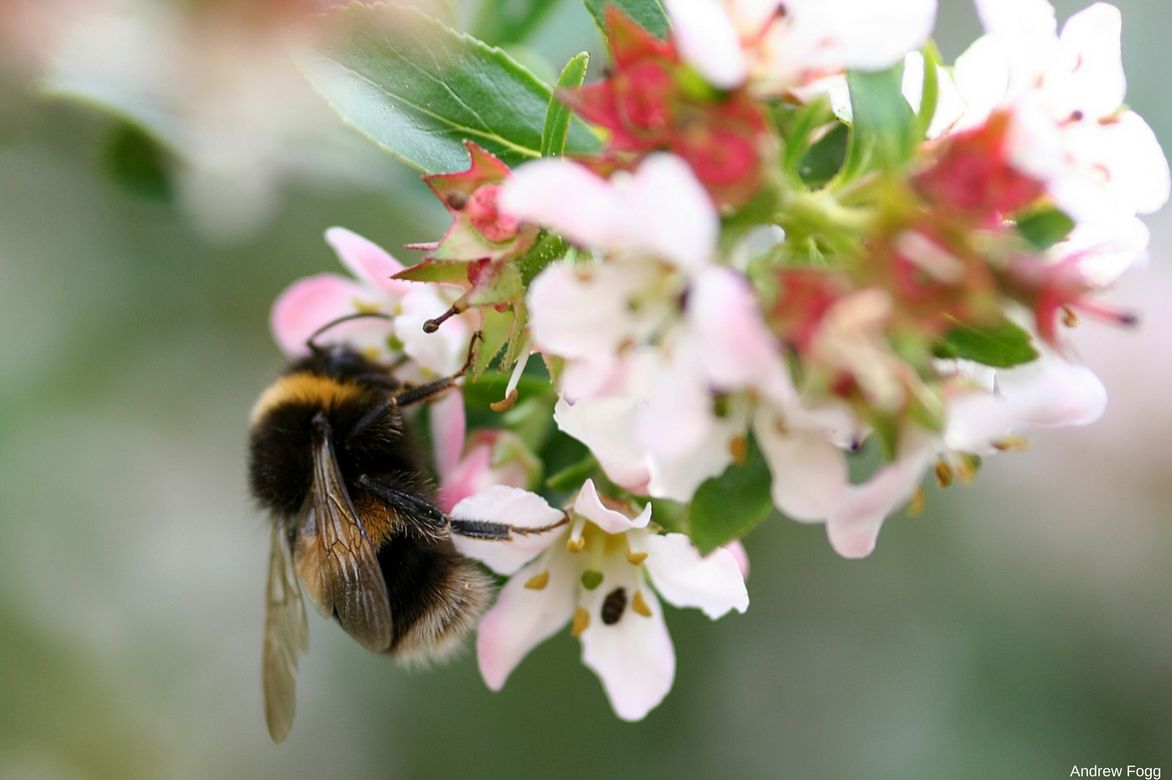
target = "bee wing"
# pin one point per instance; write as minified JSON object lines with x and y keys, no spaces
{"x":350,"y":582}
{"x":286,"y":637}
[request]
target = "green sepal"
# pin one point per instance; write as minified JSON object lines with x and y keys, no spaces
{"x":1044,"y":227}
{"x":447,"y":271}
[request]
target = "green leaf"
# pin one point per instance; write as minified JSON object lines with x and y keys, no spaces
{"x":883,"y":133}
{"x":1002,"y":345}
{"x":557,"y":115}
{"x":419,"y":89}
{"x":825,"y":158}
{"x":139,"y":163}
{"x":572,"y":476}
{"x":1045,"y":227}
{"x":501,"y":22}
{"x":648,"y":13}
{"x":729,"y":506}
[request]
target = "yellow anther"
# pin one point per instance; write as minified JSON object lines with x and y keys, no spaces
{"x":576,"y":545}
{"x":505,"y":404}
{"x":1069,"y":317}
{"x":580,"y":622}
{"x":639,"y":604}
{"x":966,"y":469}
{"x":538,"y":581}
{"x":1011,"y":444}
{"x":943,"y":474}
{"x":917,"y":503}
{"x":739,"y":449}
{"x":636,"y":558}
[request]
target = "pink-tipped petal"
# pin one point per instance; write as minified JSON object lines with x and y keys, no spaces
{"x":468,"y":477}
{"x":447,"y":431}
{"x":809,"y":473}
{"x":589,"y":505}
{"x":511,"y":506}
{"x":523,"y":618}
{"x":366,"y":260}
{"x":568,"y":198}
{"x":633,"y":657}
{"x":712,"y":583}
{"x":740,"y":555}
{"x":853,"y":526}
{"x":309,"y":303}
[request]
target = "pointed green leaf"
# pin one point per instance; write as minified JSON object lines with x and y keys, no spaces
{"x":648,"y":13}
{"x":729,"y":506}
{"x":419,"y":89}
{"x":557,"y":116}
{"x":435,"y":271}
{"x":1002,"y":346}
{"x":1044,"y":227}
{"x":502,"y":22}
{"x":884,"y":131}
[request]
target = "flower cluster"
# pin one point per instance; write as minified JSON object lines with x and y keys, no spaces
{"x":804,"y":236}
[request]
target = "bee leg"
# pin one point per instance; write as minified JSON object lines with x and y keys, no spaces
{"x":421,"y":516}
{"x":486,"y":530}
{"x":432,"y":389}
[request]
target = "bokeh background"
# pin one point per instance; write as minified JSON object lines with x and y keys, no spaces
{"x":1017,"y":628}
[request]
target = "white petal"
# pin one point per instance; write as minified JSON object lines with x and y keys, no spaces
{"x":607,"y":427}
{"x":736,"y":348}
{"x":442,"y":352}
{"x":713,"y":583}
{"x":590,"y":506}
{"x":523,"y":618}
{"x":568,"y":198}
{"x":1028,"y":29}
{"x":853,"y":526}
{"x":950,"y":106}
{"x":512,"y":506}
{"x":585,"y":311}
{"x":1106,"y":248}
{"x":983,"y":80}
{"x":809,"y":472}
{"x":1136,"y":163}
{"x":1050,"y":392}
{"x":875,"y":34}
{"x":706,"y":38}
{"x":634,"y":657}
{"x":1090,"y":40}
{"x":670,"y":213}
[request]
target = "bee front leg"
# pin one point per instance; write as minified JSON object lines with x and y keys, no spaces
{"x":432,"y":389}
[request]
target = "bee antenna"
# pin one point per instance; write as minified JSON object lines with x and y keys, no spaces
{"x":311,"y":342}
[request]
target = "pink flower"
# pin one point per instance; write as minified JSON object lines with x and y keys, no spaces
{"x":597,"y":575}
{"x":779,"y":46}
{"x":486,"y":458}
{"x":314,"y":301}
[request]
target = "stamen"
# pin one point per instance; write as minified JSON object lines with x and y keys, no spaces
{"x":1069,"y":317}
{"x":966,"y":468}
{"x":506,"y":403}
{"x":591,"y":579}
{"x":538,"y":581}
{"x":1100,"y":311}
{"x":636,"y":558}
{"x":576,"y":542}
{"x":1011,"y":444}
{"x":943,"y":474}
{"x":739,"y":449}
{"x":580,"y":622}
{"x":432,"y":325}
{"x":778,"y":13}
{"x":639,"y":604}
{"x":916,"y":507}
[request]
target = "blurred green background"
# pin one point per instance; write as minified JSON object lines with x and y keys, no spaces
{"x":1017,"y":628}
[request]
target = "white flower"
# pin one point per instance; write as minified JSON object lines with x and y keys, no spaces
{"x":780,"y":46}
{"x":1066,"y":92}
{"x":594,"y":574}
{"x":1049,"y":392}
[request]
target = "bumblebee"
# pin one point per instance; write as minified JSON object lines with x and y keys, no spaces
{"x":354,"y":521}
